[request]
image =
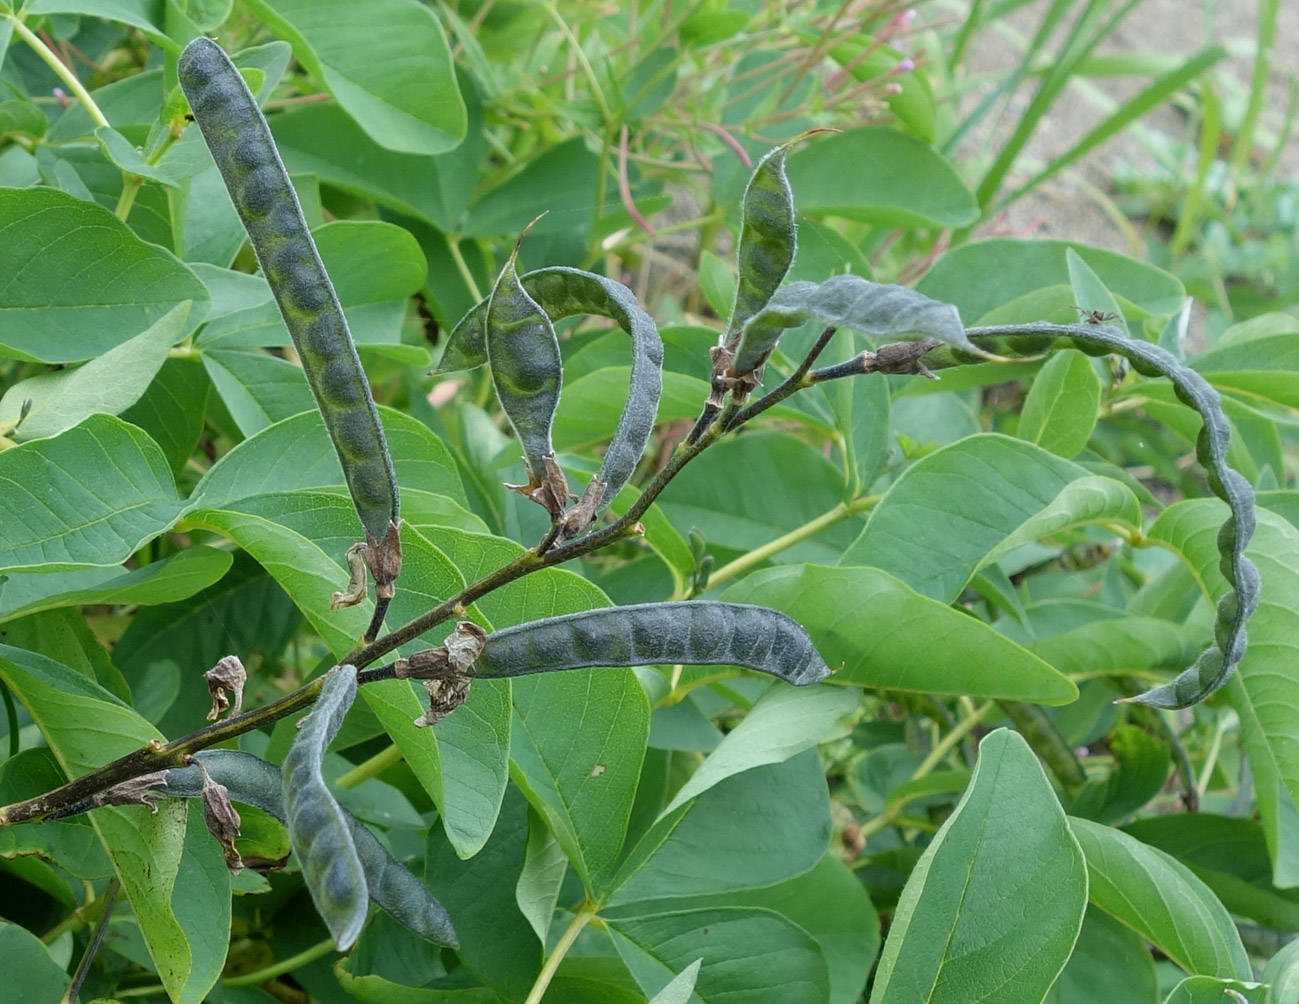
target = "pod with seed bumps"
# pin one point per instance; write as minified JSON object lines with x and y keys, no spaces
{"x":318,"y":830}
{"x":1216,"y":664}
{"x":253,"y":781}
{"x":526,"y":375}
{"x":695,"y":633}
{"x":564,"y":292}
{"x":240,"y":141}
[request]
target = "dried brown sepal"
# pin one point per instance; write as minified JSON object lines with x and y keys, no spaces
{"x":227,"y":675}
{"x":384,"y":559}
{"x":443,"y":670}
{"x":137,"y":791}
{"x":221,"y":817}
{"x":355,"y":591}
{"x":902,"y":357}
{"x":551,"y":492}
{"x":444,"y":696}
{"x":581,"y":515}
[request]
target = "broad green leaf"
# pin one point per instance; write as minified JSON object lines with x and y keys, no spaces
{"x":1161,"y":900}
{"x":1282,"y":973}
{"x":682,"y":986}
{"x":1140,"y":770}
{"x":591,"y":405}
{"x":1061,"y":407}
{"x":258,"y":389}
{"x":565,"y":172}
{"x":201,"y":903}
{"x":1264,"y":692}
{"x":1109,"y":963}
{"x":87,"y":727}
{"x":175,"y":577}
{"x":1259,"y":358}
{"x":1230,"y":856}
{"x":971,"y":503}
{"x":18,"y":116}
{"x":886,"y":635}
{"x":173,"y":408}
{"x":51,"y":517}
{"x":497,"y":943}
{"x":542,"y":878}
{"x":143,"y":14}
{"x":863,"y":416}
{"x":108,"y":385}
{"x":463,"y":760}
{"x":32,"y":976}
{"x":753,"y":829}
{"x":1207,"y":990}
{"x":881,"y":176}
{"x":746,"y":952}
{"x":130,"y":158}
{"x":995,"y":903}
{"x":985,"y":275}
{"x":398,"y":83}
{"x":1114,"y":645}
{"x":90,"y":288}
{"x":755,"y":488}
{"x":259,"y":465}
{"x":783,"y":723}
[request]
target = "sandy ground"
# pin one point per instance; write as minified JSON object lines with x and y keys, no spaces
{"x":1066,"y":208}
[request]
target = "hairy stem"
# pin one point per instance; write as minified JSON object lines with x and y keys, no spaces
{"x":316,"y":951}
{"x":583,"y":917}
{"x":50,"y":59}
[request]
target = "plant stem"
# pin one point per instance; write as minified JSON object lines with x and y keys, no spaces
{"x":453,"y":247}
{"x":377,"y":764}
{"x":794,"y":383}
{"x":316,"y":951}
{"x":945,"y":745}
{"x":60,"y":70}
{"x":796,"y":536}
{"x":1047,"y":742}
{"x":583,"y":917}
{"x":83,"y":968}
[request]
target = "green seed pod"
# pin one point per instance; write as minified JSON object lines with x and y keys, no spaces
{"x":564,"y":292}
{"x":527,"y":374}
{"x":255,"y":782}
{"x":1217,"y":664}
{"x":847,"y":301}
{"x":768,"y":239}
{"x":240,"y":140}
{"x":698,"y":633}
{"x":318,"y":830}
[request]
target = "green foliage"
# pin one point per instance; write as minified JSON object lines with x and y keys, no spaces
{"x":595,"y":783}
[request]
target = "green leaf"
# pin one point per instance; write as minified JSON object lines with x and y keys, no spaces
{"x":173,"y":408}
{"x":258,"y":389}
{"x":1230,"y":856}
{"x":1160,"y":899}
{"x":122,"y":285}
{"x":783,"y":723}
{"x":1109,"y":963}
{"x":23,"y":117}
{"x":51,"y":519}
{"x":398,"y":84}
{"x":33,"y":977}
{"x":1259,"y":358}
{"x":1061,"y":407}
{"x":1141,"y":768}
{"x":143,"y":14}
{"x":566,"y":172}
{"x":1207,"y":990}
{"x":985,"y":275}
{"x":175,"y":577}
{"x":107,"y":385}
{"x":745,"y":952}
{"x":130,"y":158}
{"x":201,"y":903}
{"x":886,"y":635}
{"x":1091,"y":294}
{"x":257,"y":466}
{"x":1263,"y":694}
{"x":752,"y":829}
{"x":679,"y":991}
{"x":87,"y":727}
{"x":542,"y":878}
{"x":881,"y":176}
{"x":970,"y":504}
{"x":592,"y":404}
{"x":1130,"y":645}
{"x":995,"y":903}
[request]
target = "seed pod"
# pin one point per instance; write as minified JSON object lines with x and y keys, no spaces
{"x":318,"y":830}
{"x":255,"y":782}
{"x":527,"y":374}
{"x":1217,"y":663}
{"x":694,"y":633}
{"x":846,"y":301}
{"x":564,"y":292}
{"x":240,"y":140}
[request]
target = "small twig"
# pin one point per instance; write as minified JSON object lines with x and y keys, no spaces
{"x":83,"y":968}
{"x":794,"y":383}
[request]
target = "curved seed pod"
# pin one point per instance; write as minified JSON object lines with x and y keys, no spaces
{"x":847,"y":301}
{"x":236,"y":133}
{"x":318,"y":830}
{"x":695,"y":633}
{"x":1217,"y":663}
{"x":563,"y":292}
{"x":527,"y":374}
{"x":253,"y":781}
